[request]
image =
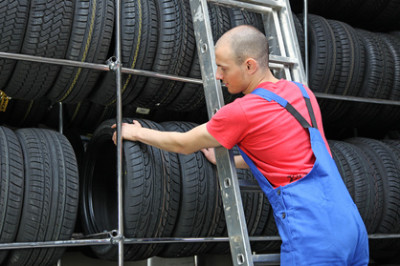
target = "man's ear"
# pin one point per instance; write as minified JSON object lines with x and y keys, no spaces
{"x":251,"y":65}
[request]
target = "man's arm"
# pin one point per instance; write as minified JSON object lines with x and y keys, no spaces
{"x":179,"y":142}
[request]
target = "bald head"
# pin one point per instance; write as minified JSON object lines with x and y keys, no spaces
{"x":246,"y":41}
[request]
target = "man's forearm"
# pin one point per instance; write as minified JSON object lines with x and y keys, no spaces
{"x":165,"y":140}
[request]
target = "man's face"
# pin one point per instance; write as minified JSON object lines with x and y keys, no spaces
{"x":228,"y":71}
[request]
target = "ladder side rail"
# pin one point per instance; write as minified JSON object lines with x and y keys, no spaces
{"x":280,"y":42}
{"x":230,"y":191}
{"x":292,"y":44}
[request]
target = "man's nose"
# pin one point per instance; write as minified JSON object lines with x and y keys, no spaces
{"x":218,"y":75}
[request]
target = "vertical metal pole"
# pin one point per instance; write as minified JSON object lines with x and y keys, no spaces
{"x":120,"y":236}
{"x":306,"y":37}
{"x":233,"y":207}
{"x":60,"y":118}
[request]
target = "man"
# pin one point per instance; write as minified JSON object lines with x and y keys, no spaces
{"x":277,"y":126}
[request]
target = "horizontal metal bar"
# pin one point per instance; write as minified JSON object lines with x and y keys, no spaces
{"x":267,"y":259}
{"x":55,"y":61}
{"x":109,"y":241}
{"x":383,"y":236}
{"x":247,"y":6}
{"x":193,"y":239}
{"x":58,"y":243}
{"x":355,"y":99}
{"x":159,"y":75}
{"x":101,"y":67}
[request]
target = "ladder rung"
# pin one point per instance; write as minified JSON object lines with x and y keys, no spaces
{"x":250,"y":7}
{"x":267,"y":259}
{"x":268,"y":3}
{"x":282,"y":60}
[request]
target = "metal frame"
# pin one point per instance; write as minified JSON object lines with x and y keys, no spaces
{"x":228,"y":178}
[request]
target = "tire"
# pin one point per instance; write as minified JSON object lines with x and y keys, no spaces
{"x":351,"y":54}
{"x":243,"y":17}
{"x":12,"y":187}
{"x":151,"y":193}
{"x":360,"y":179}
{"x":51,"y":195}
{"x":47,"y":35}
{"x":191,"y":96}
{"x":175,"y":51}
{"x":139,"y":34}
{"x":198,"y":207}
{"x":90,"y":41}
{"x":323,"y":52}
{"x":298,"y":25}
{"x":390,"y":115}
{"x":378,"y":82}
{"x":13,"y":19}
{"x":323,"y":57}
{"x":388,"y":168}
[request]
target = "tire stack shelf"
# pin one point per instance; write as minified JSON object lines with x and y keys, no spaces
{"x":116,"y":237}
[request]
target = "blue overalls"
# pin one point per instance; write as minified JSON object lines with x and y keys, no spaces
{"x":318,"y":222}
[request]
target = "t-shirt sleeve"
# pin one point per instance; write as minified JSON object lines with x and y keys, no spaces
{"x":228,"y":125}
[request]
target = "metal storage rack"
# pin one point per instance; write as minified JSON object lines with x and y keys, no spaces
{"x":238,"y":236}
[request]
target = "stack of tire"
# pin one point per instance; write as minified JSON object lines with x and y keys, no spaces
{"x":354,"y":62}
{"x":165,"y":195}
{"x":156,"y":35}
{"x":39,"y":193}
{"x":175,"y":195}
{"x":371,"y":171}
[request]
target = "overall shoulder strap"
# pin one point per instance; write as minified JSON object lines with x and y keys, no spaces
{"x":308,"y":103}
{"x":269,"y":96}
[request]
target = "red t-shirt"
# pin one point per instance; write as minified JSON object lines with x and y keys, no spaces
{"x":275,"y":141}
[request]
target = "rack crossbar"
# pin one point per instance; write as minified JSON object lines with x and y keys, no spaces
{"x":267,"y":6}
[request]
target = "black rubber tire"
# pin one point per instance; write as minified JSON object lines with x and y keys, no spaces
{"x":13,"y":19}
{"x":12,"y":186}
{"x":388,"y":171}
{"x":199,"y":197}
{"x":256,"y":211}
{"x":360,"y":180}
{"x":388,"y":166}
{"x":390,"y":114}
{"x":243,"y":17}
{"x":325,"y":63}
{"x":191,"y":96}
{"x":351,"y":54}
{"x":322,"y":54}
{"x":47,"y":35}
{"x":175,"y":52}
{"x":151,"y":192}
{"x":343,"y":165}
{"x":139,"y":37}
{"x":90,"y":41}
{"x":51,"y":195}
{"x":299,"y":27}
{"x":378,"y":80}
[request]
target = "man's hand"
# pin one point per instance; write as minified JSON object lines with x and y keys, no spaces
{"x":209,"y":153}
{"x":128,"y":131}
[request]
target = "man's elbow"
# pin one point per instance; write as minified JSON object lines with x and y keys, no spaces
{"x":184,"y":149}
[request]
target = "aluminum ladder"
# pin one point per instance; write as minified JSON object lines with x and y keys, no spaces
{"x":285,"y":61}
